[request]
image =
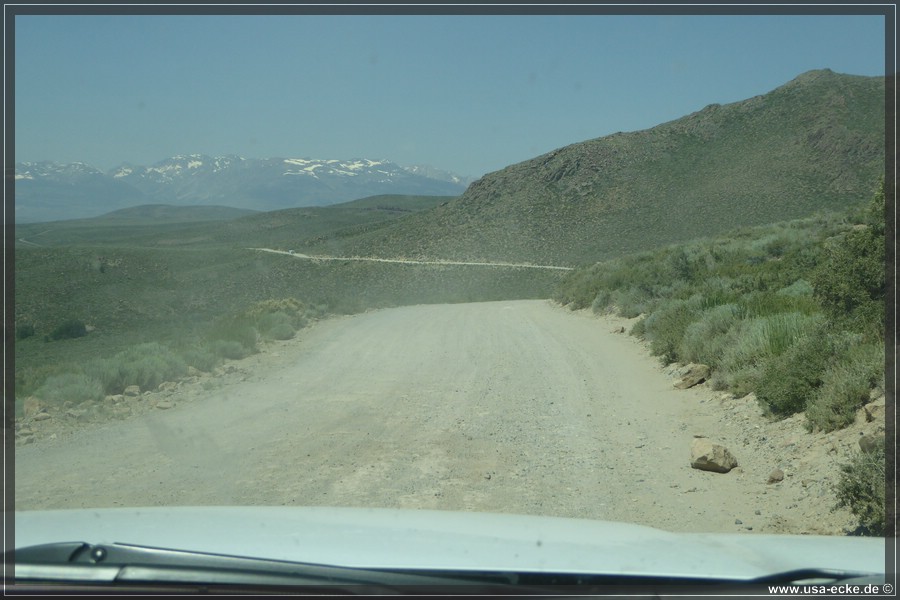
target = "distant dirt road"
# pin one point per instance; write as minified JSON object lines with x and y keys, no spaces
{"x":415,"y":262}
{"x":519,"y":407}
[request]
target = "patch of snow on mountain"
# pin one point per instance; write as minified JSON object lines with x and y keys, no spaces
{"x":362,"y":164}
{"x":165,"y":169}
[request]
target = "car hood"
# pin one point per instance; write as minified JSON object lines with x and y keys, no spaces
{"x":428,"y":539}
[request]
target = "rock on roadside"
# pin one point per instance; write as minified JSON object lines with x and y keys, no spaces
{"x":692,"y":375}
{"x":775,"y":476}
{"x":708,"y":456}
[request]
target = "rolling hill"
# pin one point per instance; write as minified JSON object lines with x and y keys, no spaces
{"x":813,"y":144}
{"x":157,"y":225}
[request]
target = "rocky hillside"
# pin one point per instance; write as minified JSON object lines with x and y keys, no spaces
{"x":814,"y":144}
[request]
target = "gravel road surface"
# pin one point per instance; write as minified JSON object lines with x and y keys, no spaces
{"x":519,"y":407}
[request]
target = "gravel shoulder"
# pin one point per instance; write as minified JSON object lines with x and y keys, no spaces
{"x":516,"y":407}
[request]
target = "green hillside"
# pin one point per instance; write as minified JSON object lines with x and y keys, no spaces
{"x":163,"y":226}
{"x":814,"y":144}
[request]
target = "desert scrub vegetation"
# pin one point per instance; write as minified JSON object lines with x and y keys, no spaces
{"x":237,"y":336}
{"x":148,"y":364}
{"x":199,"y":355}
{"x":279,"y":319}
{"x":792,"y":311}
{"x":72,"y":387}
{"x":70,"y":328}
{"x":24,"y":330}
{"x":233,"y":337}
{"x":846,"y":386}
{"x":145,"y":365}
{"x":850,"y":281}
{"x":861,"y":488}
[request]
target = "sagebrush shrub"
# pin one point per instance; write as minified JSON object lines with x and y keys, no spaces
{"x":800,"y":287}
{"x":704,"y":340}
{"x":200,"y":356}
{"x":767,"y":303}
{"x":850,"y":280}
{"x":788,"y":382}
{"x":861,"y":488}
{"x":276,"y":326}
{"x":147,"y":365}
{"x":230,"y":349}
{"x":295,"y":310}
{"x":235,"y":329}
{"x":639,"y":329}
{"x":108,"y":371}
{"x":71,"y":328}
{"x":717,"y":291}
{"x":631,"y":302}
{"x":846,"y":386}
{"x":72,"y":387}
{"x":24,"y":330}
{"x":666,"y":326}
{"x":602,"y":302}
{"x":753,"y":341}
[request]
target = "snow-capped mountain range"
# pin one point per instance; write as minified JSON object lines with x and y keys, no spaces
{"x":48,"y":191}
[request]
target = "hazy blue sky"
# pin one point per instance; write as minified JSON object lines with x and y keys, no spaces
{"x":469,"y":94}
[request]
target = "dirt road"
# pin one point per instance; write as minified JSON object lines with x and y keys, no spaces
{"x":520,"y":407}
{"x":398,"y":261}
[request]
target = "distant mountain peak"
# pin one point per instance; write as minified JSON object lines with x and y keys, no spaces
{"x":52,"y":191}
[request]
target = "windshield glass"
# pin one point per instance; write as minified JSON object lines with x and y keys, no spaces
{"x":614,"y":267}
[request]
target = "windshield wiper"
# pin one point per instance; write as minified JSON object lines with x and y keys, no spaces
{"x":125,"y":565}
{"x":818,"y":576}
